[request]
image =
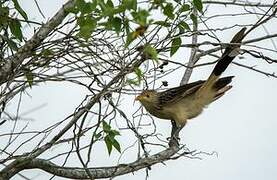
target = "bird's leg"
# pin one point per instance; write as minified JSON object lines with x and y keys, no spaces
{"x":174,"y":129}
{"x":174,"y":139}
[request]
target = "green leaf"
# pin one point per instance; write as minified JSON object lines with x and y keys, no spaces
{"x":151,"y":52}
{"x":130,"y":4}
{"x":30,"y":77}
{"x":108,"y":25}
{"x":87,"y":25}
{"x":193,"y":18}
{"x":126,"y":25}
{"x":4,"y":16}
{"x":185,"y":8}
{"x":47,"y":53}
{"x":93,"y":5}
{"x":168,"y":11}
{"x":12,"y":44}
{"x":110,"y":138}
{"x":198,"y":4}
{"x":109,"y":144}
{"x":163,"y":23}
{"x":139,"y":74}
{"x":116,"y":145}
{"x":74,"y":10}
{"x":112,"y":11}
{"x":20,"y":10}
{"x":140,"y":17}
{"x":116,"y":22}
{"x":158,"y":2}
{"x":97,"y":136}
{"x":114,"y":133}
{"x":176,"y":43}
{"x":106,"y":126}
{"x":81,"y":5}
{"x":183,"y":26}
{"x":15,"y":28}
{"x":129,"y":39}
{"x":132,"y":81}
{"x":84,"y":7}
{"x":110,"y":4}
{"x":134,"y":5}
{"x":102,"y":5}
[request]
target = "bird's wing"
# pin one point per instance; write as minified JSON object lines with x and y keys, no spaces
{"x":173,"y":95}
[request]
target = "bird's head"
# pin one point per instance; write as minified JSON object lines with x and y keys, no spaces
{"x":147,"y":96}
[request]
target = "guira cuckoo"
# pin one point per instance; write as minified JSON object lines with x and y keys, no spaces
{"x":187,"y":101}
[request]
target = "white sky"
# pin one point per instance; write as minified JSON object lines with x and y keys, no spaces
{"x":240,"y":127}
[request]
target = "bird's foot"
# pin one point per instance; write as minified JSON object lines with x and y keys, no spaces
{"x":173,"y":141}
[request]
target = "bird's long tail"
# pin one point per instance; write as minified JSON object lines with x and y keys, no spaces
{"x":229,"y":54}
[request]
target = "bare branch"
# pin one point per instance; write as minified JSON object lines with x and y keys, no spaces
{"x":192,"y":58}
{"x":8,"y":69}
{"x":96,"y":173}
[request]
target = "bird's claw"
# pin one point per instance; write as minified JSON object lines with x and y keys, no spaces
{"x":175,"y":138}
{"x":173,"y":141}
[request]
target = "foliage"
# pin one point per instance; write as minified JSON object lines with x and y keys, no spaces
{"x":110,"y":137}
{"x":110,"y":50}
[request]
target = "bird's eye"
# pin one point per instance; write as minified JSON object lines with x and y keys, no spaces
{"x":148,"y":96}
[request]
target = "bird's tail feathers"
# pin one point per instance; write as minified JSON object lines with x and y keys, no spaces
{"x":229,"y":54}
{"x":221,"y":92}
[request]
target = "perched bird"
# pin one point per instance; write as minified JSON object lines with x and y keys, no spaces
{"x":187,"y":101}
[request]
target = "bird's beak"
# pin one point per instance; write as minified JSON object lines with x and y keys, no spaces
{"x":138,"y":98}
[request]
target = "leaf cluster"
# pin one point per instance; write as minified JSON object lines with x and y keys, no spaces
{"x":109,"y":137}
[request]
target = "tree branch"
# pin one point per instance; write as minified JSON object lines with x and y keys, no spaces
{"x":238,"y":3}
{"x":96,"y":173}
{"x":192,"y":59}
{"x":13,"y":62}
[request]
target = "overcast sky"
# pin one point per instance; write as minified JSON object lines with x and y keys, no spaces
{"x":240,"y":127}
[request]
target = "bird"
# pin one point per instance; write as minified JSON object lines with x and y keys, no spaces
{"x":179,"y":104}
